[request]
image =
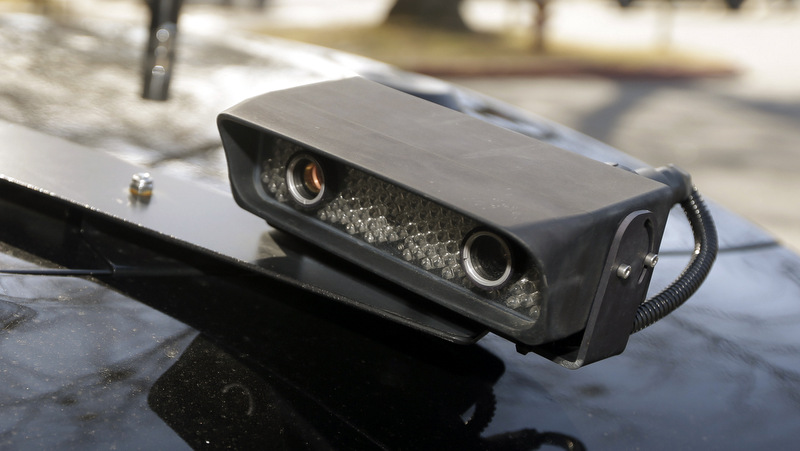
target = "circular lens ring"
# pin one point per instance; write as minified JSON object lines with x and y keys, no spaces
{"x":475,"y":269}
{"x":305,"y":179}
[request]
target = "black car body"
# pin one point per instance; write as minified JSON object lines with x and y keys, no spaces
{"x":195,"y":324}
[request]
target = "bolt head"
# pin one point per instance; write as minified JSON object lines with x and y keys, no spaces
{"x":650,"y":260}
{"x":141,"y":184}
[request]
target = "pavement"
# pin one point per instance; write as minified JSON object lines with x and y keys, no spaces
{"x":739,"y":137}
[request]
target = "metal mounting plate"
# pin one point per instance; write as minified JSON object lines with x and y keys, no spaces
{"x":208,"y":221}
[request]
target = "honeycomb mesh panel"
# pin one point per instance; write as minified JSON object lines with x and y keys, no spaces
{"x":402,"y":224}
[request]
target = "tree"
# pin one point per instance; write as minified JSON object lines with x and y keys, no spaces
{"x":540,"y":17}
{"x":442,"y":14}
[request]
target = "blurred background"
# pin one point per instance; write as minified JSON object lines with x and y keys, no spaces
{"x":709,"y":85}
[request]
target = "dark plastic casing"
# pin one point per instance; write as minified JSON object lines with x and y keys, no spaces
{"x":576,"y":219}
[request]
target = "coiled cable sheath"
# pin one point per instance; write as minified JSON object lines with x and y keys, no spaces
{"x":705,"y":252}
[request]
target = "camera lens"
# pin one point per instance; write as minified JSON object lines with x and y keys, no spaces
{"x":305,"y":178}
{"x":487,"y":259}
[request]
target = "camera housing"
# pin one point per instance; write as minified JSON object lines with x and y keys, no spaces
{"x":547,"y":248}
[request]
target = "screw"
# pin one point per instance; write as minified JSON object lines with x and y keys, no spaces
{"x":142,"y":184}
{"x":650,"y":260}
{"x":623,"y":271}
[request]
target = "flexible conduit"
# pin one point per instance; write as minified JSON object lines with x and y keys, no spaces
{"x":705,"y":252}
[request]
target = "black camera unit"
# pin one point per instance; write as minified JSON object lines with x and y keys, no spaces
{"x":552,"y":250}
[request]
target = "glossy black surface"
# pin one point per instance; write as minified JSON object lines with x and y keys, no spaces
{"x":92,"y":361}
{"x":205,"y":357}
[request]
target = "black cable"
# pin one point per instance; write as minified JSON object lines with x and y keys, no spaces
{"x":705,"y":252}
{"x":116,"y":271}
{"x":57,"y":272}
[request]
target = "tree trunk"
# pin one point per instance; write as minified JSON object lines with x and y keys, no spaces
{"x":442,"y":14}
{"x":539,"y":22}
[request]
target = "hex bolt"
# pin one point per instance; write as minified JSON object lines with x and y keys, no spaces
{"x":623,"y":271}
{"x":651,"y":260}
{"x":142,"y":184}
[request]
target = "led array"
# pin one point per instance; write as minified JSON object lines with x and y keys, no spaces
{"x":401,"y":223}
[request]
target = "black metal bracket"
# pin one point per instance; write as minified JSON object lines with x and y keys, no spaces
{"x":626,"y":277}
